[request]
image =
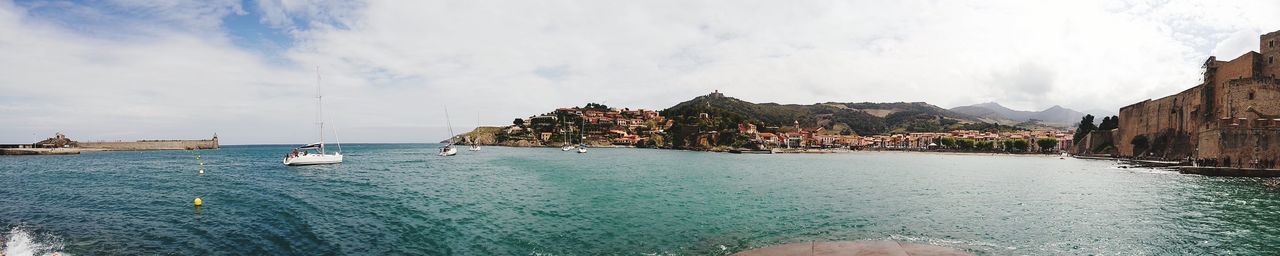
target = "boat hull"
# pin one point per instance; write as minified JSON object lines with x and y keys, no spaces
{"x":449,"y":152}
{"x":313,"y":159}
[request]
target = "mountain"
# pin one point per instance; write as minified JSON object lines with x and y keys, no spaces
{"x":724,"y":113}
{"x":994,"y":112}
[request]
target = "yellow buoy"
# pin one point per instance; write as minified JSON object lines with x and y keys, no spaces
{"x":199,"y":202}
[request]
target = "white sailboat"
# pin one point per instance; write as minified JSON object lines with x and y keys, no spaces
{"x":448,"y":149}
{"x":314,"y":153}
{"x":582,"y":147}
{"x":564,"y":133}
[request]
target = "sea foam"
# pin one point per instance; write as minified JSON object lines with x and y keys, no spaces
{"x":20,"y":242}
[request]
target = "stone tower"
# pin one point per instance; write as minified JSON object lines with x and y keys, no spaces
{"x":1269,"y":46}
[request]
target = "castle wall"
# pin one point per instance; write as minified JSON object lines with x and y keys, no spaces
{"x":1269,"y":46}
{"x":1175,"y":119}
{"x":1234,"y":113}
{"x":1253,"y":130}
{"x":1239,"y":68}
{"x":1252,"y":98}
{"x":1096,"y":140}
{"x":1177,"y":131}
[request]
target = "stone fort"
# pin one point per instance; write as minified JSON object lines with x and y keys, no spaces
{"x":1234,"y":113}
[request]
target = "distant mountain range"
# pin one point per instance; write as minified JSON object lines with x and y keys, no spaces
{"x":994,"y":112}
{"x":860,"y":118}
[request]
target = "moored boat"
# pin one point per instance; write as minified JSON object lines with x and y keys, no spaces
{"x":311,"y":154}
{"x":314,"y":153}
{"x":448,"y":150}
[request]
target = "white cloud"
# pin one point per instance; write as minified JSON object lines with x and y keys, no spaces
{"x":390,"y":66}
{"x":1237,"y":44}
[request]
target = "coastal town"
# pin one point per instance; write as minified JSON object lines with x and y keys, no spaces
{"x":601,"y":126}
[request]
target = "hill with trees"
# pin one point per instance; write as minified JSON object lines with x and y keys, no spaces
{"x":863,"y":118}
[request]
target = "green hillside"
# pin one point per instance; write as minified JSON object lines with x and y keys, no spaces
{"x":862,"y":118}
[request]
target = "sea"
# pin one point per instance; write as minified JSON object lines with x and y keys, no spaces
{"x":403,"y":199}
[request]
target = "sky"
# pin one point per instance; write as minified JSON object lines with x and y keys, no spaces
{"x":247,"y":70}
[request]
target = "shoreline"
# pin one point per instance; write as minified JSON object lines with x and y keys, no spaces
{"x":809,"y":151}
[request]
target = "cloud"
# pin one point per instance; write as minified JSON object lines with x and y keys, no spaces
{"x":1027,"y":82}
{"x":388,"y":68}
{"x":1237,"y":44}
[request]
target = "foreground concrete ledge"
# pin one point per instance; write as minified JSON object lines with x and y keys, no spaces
{"x":1228,"y":171}
{"x":853,"y":248}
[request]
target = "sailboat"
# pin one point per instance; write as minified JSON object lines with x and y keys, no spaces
{"x":474,"y":145}
{"x":448,"y":149}
{"x":564,"y":133}
{"x":582,"y":147}
{"x":314,"y":153}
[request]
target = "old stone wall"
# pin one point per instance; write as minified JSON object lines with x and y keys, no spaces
{"x":1239,"y":68}
{"x":153,"y":145}
{"x":1234,"y":113}
{"x":1252,"y":98}
{"x":1242,"y":146}
{"x":1247,"y":126}
{"x":1174,"y":120}
{"x":1096,"y":142}
{"x":1270,"y":48}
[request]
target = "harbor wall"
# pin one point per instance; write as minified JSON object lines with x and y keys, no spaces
{"x":153,"y":145}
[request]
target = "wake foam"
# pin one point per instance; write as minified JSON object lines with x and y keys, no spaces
{"x":20,"y":242}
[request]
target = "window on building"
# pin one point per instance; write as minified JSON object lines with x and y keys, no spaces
{"x":1250,"y":95}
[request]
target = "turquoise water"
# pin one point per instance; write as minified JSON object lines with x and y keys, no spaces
{"x":402,"y":199}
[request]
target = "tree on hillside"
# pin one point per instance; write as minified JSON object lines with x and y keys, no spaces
{"x":1084,"y":128}
{"x":518,"y":122}
{"x":597,"y":106}
{"x":1109,"y":123}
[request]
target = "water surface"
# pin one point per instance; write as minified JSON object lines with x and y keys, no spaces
{"x":402,"y":199}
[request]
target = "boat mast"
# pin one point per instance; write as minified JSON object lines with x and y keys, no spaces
{"x":319,"y":110}
{"x":449,"y":123}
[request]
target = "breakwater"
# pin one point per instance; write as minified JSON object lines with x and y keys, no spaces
{"x":152,"y":145}
{"x":38,"y":151}
{"x":61,"y":144}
